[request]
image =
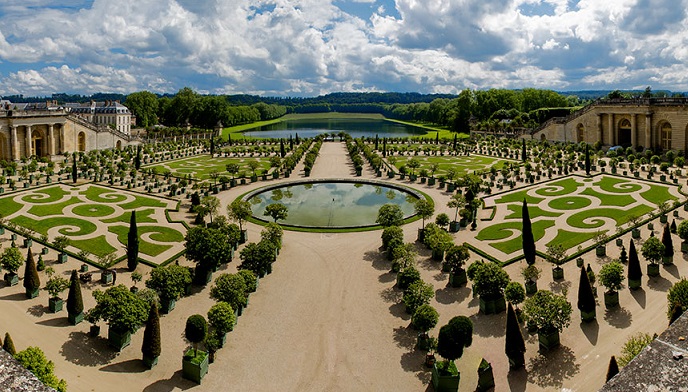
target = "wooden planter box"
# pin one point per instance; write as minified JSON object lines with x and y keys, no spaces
{"x":588,"y":316}
{"x":444,"y":383}
{"x":653,"y":270}
{"x":668,"y":260}
{"x":531,"y":287}
{"x":454,"y":226}
{"x":437,"y":255}
{"x":557,"y":273}
{"x":635,"y":233}
{"x":458,"y":279}
{"x":118,"y":339}
{"x":634,"y":284}
{"x":548,"y":340}
{"x":485,"y":377}
{"x":62,"y":258}
{"x":684,"y":246}
{"x":75,"y":319}
{"x":106,"y":277}
{"x":167,"y":305}
{"x":611,"y":299}
{"x":492,"y":305}
{"x":11,"y":279}
{"x":601,"y":251}
{"x":55,"y":304}
{"x":195,"y":369}
{"x":243,"y":237}
{"x":31,"y":293}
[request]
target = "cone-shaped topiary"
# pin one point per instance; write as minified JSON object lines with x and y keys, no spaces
{"x":587,"y":160}
{"x":8,"y":345}
{"x":31,"y":280}
{"x":132,"y":244}
{"x":515,"y":346}
{"x":151,"y":346}
{"x":586,"y":298}
{"x":40,"y":264}
{"x":74,"y":173}
{"x":613,"y":368}
{"x":75,"y":303}
{"x":635,"y":273}
{"x":528,"y":239}
{"x":668,"y":243}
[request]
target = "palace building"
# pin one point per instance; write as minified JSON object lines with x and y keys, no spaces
{"x":657,"y":123}
{"x":48,"y":129}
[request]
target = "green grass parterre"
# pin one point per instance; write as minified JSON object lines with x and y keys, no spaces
{"x":200,"y":167}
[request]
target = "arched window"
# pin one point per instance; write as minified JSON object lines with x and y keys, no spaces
{"x":624,"y":138}
{"x":665,"y":136}
{"x":82,"y":141}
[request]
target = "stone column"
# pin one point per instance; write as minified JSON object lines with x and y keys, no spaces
{"x":28,"y":140}
{"x":612,"y":134}
{"x":15,"y":143}
{"x":648,"y":130}
{"x":634,"y":130}
{"x":51,"y":139}
{"x":599,"y":127}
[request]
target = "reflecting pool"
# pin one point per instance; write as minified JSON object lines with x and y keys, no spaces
{"x":354,"y":127}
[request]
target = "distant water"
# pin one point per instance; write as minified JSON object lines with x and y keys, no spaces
{"x":354,"y":127}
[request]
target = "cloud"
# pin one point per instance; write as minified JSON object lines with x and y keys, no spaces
{"x":310,"y":47}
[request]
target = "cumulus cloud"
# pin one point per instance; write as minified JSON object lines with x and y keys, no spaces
{"x":310,"y":47}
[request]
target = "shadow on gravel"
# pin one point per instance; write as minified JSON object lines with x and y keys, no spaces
{"x":175,"y":382}
{"x":618,"y":318}
{"x":130,"y":366}
{"x":639,"y":296}
{"x":549,"y":370}
{"x":83,"y":350}
{"x":450,"y":295}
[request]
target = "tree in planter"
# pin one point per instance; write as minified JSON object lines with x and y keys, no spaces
{"x":239,"y":211}
{"x":250,"y":279}
{"x":652,"y":251}
{"x":668,"y":254}
{"x":550,"y":314}
{"x":169,"y":282}
{"x":32,"y":283}
{"x":389,"y":233}
{"x":439,"y":241}
{"x":556,"y":254}
{"x":230,"y":288}
{"x":407,"y":277}
{"x":151,"y":346}
{"x":611,"y":276}
{"x":75,"y":303}
{"x":527,"y":235}
{"x":11,"y":260}
{"x":515,"y":294}
{"x":122,"y":310}
{"x":531,"y":274}
{"x":418,"y":293}
{"x":424,"y":319}
{"x":208,"y":248}
{"x":403,"y":256}
{"x":60,"y":243}
{"x":55,"y":286}
{"x":682,"y":232}
{"x":195,"y":331}
{"x":457,"y":201}
{"x":258,"y":257}
{"x":677,"y":299}
{"x":515,"y":346}
{"x":34,"y":360}
{"x":221,"y":318}
{"x":136,"y":277}
{"x":586,"y":298}
{"x":425,"y":209}
{"x":489,"y":281}
{"x":276,"y":211}
{"x":390,"y":215}
{"x":635,"y":273}
{"x":456,"y":257}
{"x":273,"y":233}
{"x":132,"y":243}
{"x":451,"y":340}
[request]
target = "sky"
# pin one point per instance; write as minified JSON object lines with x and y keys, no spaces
{"x":314,"y":47}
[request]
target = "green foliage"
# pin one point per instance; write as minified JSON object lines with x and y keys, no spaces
{"x":390,"y":215}
{"x":144,"y":105}
{"x":34,"y":360}
{"x":424,"y":208}
{"x":652,"y":250}
{"x":489,"y":279}
{"x":456,"y":257}
{"x":611,"y":276}
{"x":196,"y":329}
{"x":391,"y":233}
{"x":633,"y":346}
{"x":634,"y":270}
{"x":229,"y":288}
{"x":61,"y":242}
{"x":239,"y":210}
{"x":221,"y":317}
{"x":55,"y":284}
{"x":170,"y":281}
{"x":11,"y":259}
{"x":273,"y":233}
{"x":132,"y":244}
{"x":8,"y":345}
{"x":404,"y":255}
{"x":151,"y":346}
{"x":120,"y":308}
{"x":586,"y":298}
{"x":207,"y":247}
{"x":678,"y":296}
{"x":528,"y":241}
{"x":442,"y":220}
{"x":425,"y":318}
{"x":548,"y":311}
{"x":250,"y":279}
{"x":258,"y":257}
{"x":75,"y":303}
{"x":515,"y":344}
{"x":277,"y":211}
{"x":407,"y":277}
{"x":416,"y":294}
{"x":31,"y":279}
{"x":531,"y":273}
{"x":454,"y":336}
{"x":438,"y":239}
{"x":515,"y":293}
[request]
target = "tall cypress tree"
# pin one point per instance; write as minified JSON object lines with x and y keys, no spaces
{"x":377,"y":142}
{"x":634,"y":271}
{"x":613,"y":369}
{"x":587,"y":160}
{"x":74,"y":173}
{"x":133,"y":243}
{"x":523,"y":151}
{"x":454,"y":147}
{"x":137,"y":159}
{"x":667,"y":241}
{"x":212,"y":146}
{"x":384,"y":147}
{"x":527,"y":234}
{"x":515,"y":346}
{"x":586,"y":299}
{"x":229,"y":139}
{"x":8,"y":345}
{"x":151,"y":346}
{"x":282,"y":151}
{"x":31,"y":280}
{"x":75,"y":303}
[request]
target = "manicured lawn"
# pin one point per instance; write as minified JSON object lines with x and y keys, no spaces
{"x":569,"y":203}
{"x":558,"y":188}
{"x":571,"y":239}
{"x":533,"y":212}
{"x":657,"y":195}
{"x":507,"y":229}
{"x":518,"y":197}
{"x":98,"y":246}
{"x":103,"y":195}
{"x":45,"y":195}
{"x":463,"y":164}
{"x":68,"y":226}
{"x":162,"y":234}
{"x":93,"y":210}
{"x":53,"y":209}
{"x":617,"y":200}
{"x":588,"y":219}
{"x":142,"y":216}
{"x":617,"y":185}
{"x":201,"y":167}
{"x":9,"y":206}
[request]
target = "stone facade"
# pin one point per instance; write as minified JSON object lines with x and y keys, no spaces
{"x":657,"y":123}
{"x":14,"y":377}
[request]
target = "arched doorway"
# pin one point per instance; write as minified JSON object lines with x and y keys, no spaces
{"x":4,"y":148}
{"x":39,"y":146}
{"x":665,"y":136}
{"x":580,"y":133}
{"x":81,"y":141}
{"x":624,"y":138}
